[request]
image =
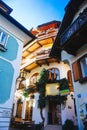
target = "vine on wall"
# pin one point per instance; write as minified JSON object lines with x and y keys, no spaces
{"x":41,"y":88}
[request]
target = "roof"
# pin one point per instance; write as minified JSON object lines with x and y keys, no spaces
{"x":17,"y":24}
{"x":70,"y":11}
{"x":48,"y":25}
{"x":5,"y":7}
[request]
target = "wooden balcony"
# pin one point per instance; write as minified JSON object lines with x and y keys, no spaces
{"x":44,"y":54}
{"x":75,"y":36}
{"x":48,"y":34}
{"x":38,"y":60}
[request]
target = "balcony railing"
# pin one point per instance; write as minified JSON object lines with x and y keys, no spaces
{"x":74,"y":27}
{"x":37,"y":57}
{"x":44,"y":56}
{"x":47,"y":35}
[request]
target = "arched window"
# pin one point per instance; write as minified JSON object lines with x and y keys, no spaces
{"x":34,"y":78}
{"x":53,"y":74}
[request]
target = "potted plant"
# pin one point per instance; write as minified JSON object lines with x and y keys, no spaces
{"x":69,"y":125}
{"x":27,"y":91}
{"x":63,"y":86}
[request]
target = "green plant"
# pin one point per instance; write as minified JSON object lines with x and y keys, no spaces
{"x":64,"y":84}
{"x":41,"y":83}
{"x":69,"y":125}
{"x":28,"y":90}
{"x":57,"y":98}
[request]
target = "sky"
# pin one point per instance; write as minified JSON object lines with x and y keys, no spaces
{"x":31,"y":13}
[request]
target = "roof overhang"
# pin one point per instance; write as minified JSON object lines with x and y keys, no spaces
{"x":70,"y":11}
{"x":30,"y":37}
{"x":5,"y":7}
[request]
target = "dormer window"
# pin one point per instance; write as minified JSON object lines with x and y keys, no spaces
{"x":3,"y":39}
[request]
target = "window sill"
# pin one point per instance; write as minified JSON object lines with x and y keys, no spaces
{"x":2,"y":48}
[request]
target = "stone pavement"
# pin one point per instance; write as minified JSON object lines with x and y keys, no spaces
{"x":53,"y":127}
{"x":48,"y":127}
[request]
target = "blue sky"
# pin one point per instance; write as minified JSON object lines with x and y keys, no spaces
{"x":31,"y":13}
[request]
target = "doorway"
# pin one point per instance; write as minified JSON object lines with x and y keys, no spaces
{"x":54,"y":113}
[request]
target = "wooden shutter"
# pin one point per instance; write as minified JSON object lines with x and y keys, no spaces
{"x":76,"y":70}
{"x":69,"y":75}
{"x":54,"y":73}
{"x":50,"y":75}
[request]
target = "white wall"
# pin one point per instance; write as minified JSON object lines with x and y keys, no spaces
{"x":68,"y":112}
{"x":80,"y":88}
{"x":36,"y":111}
{"x":13,"y":30}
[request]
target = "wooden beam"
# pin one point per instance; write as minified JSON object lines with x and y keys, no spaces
{"x":38,"y":64}
{"x":47,"y":62}
{"x":39,"y":43}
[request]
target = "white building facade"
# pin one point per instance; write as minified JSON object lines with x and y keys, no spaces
{"x":35,"y":57}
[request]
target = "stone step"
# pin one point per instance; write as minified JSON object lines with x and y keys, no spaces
{"x":53,"y":127}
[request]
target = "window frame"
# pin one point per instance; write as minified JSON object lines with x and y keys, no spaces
{"x":82,"y":66}
{"x":52,"y":77}
{"x":3,"y":41}
{"x":82,"y":79}
{"x":34,"y":78}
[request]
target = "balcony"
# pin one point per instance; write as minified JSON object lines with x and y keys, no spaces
{"x":38,"y":60}
{"x":43,"y":55}
{"x":48,"y":34}
{"x":76,"y":34}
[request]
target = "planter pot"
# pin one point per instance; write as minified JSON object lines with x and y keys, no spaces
{"x":64,"y":92}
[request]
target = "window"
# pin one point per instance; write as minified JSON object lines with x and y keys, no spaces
{"x":83,"y":63}
{"x":34,"y":78}
{"x":3,"y":38}
{"x":53,"y":74}
{"x":79,"y":68}
{"x":69,"y":76}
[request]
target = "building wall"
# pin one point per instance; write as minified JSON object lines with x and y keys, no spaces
{"x":36,"y":111}
{"x":9,"y":71}
{"x":63,"y":68}
{"x":13,"y":30}
{"x":80,"y":89}
{"x":68,"y":111}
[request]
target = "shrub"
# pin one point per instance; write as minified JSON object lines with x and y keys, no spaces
{"x":69,"y":125}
